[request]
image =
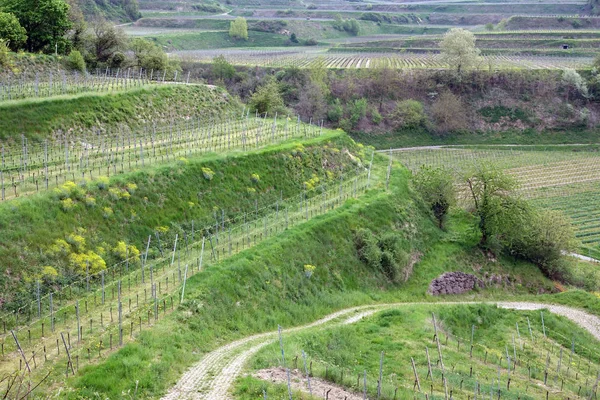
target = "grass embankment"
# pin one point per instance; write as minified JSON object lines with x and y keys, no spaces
{"x":90,"y":219}
{"x":424,"y":138}
{"x":40,"y":118}
{"x":348,"y":351}
{"x":260,"y":288}
{"x":218,"y":40}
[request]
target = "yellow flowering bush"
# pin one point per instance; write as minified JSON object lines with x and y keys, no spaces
{"x":84,"y":261}
{"x":77,"y":241}
{"x":107,"y":212}
{"x":67,"y":204}
{"x":90,"y":201}
{"x":122,"y":251}
{"x":208,"y":173}
{"x":309,"y":269}
{"x":312,"y":182}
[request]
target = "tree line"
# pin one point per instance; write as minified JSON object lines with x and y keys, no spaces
{"x":59,"y":27}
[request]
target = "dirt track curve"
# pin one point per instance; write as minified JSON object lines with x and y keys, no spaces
{"x":212,"y":377}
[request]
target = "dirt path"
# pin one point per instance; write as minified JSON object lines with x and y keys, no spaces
{"x":212,"y":377}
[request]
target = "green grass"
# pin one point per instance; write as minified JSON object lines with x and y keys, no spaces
{"x":169,"y":196}
{"x":401,"y":333}
{"x":218,"y":40}
{"x":39,"y":119}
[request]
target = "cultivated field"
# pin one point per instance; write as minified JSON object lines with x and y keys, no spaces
{"x":341,"y":60}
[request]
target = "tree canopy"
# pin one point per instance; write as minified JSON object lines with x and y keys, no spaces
{"x":458,"y":49}
{"x":238,"y":29}
{"x":11,"y":31}
{"x":45,"y":21}
{"x":436,"y":187}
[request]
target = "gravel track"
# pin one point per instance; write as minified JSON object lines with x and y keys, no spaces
{"x":212,"y":377}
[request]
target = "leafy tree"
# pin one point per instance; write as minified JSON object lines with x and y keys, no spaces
{"x":294,"y":38}
{"x":77,"y":34}
{"x":45,"y":21}
{"x":352,"y":26}
{"x":500,"y":212}
{"x":75,"y":61}
{"x":408,"y":114}
{"x":436,"y":187}
{"x":107,"y":40}
{"x":222,"y":69}
{"x":544,"y":239}
{"x":574,"y":82}
{"x":238,"y":29}
{"x":150,"y":56}
{"x":13,"y":34}
{"x":458,"y":49}
{"x":267,"y":99}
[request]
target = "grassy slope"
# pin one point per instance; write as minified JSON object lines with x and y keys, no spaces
{"x":218,"y":40}
{"x":258,"y":289}
{"x":168,"y":196}
{"x":38,"y":118}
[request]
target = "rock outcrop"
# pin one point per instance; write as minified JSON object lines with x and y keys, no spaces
{"x":454,"y":283}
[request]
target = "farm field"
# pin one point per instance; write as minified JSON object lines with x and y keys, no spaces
{"x":352,"y":60}
{"x":563,"y":178}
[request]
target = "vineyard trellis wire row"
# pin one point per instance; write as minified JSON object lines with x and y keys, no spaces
{"x":66,"y":83}
{"x":530,"y":357}
{"x":32,"y":168}
{"x":136,"y":277}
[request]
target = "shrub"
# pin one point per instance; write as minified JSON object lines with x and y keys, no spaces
{"x":123,"y":251}
{"x":449,"y":113}
{"x":67,"y":204}
{"x":107,"y":212}
{"x":255,"y":178}
{"x":368,"y":248}
{"x":207,"y":173}
{"x":408,"y":114}
{"x":309,"y":270}
{"x":75,"y":61}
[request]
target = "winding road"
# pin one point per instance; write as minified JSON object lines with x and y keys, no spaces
{"x":211,"y":378}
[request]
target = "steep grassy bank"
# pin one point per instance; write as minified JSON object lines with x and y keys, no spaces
{"x":419,"y":137}
{"x":90,"y":218}
{"x":267,"y":285}
{"x":38,"y":119}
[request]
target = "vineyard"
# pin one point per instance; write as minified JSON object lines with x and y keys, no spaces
{"x":441,"y":352}
{"x":562,"y":178}
{"x":70,"y":83}
{"x":65,"y":329}
{"x":342,"y":60}
{"x":31,"y":168}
